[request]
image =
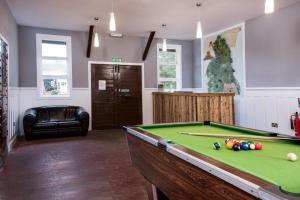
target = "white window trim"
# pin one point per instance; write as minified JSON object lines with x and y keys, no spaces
{"x":178,"y":49}
{"x":39,"y":39}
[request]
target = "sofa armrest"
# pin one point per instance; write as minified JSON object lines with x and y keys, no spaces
{"x":28,"y":121}
{"x":84,"y":118}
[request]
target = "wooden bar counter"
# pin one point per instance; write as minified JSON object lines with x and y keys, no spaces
{"x":188,"y":107}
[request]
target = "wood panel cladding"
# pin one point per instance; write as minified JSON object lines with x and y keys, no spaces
{"x":3,"y":100}
{"x":188,"y":107}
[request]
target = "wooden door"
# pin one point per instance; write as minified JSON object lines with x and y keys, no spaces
{"x":103,"y":101}
{"x":118,"y":100}
{"x":129,"y":95}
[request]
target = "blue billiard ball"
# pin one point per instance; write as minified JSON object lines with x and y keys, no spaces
{"x":245,"y":146}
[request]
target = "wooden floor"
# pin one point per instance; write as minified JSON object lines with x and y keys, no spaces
{"x":94,"y":167}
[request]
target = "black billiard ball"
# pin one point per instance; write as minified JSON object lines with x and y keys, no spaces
{"x":236,"y":147}
{"x":217,"y":146}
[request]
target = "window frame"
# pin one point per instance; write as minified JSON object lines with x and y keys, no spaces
{"x":178,"y":79}
{"x":39,"y":58}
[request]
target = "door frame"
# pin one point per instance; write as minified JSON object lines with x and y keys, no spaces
{"x":111,"y":63}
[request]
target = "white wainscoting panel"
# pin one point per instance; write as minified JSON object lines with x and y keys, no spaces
{"x":258,"y":108}
{"x":79,"y":96}
{"x":29,"y":98}
{"x":13,"y":115}
{"x":148,"y":105}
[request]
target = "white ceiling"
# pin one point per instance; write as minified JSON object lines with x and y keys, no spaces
{"x":138,"y":17}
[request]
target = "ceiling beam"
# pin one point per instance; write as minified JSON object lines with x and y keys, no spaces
{"x":89,"y":46}
{"x":151,"y":36}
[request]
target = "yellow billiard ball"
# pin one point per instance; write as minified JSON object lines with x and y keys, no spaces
{"x":229,"y":144}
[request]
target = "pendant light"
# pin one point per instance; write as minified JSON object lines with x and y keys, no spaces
{"x":112,"y":20}
{"x":199,"y":30}
{"x":96,"y":41}
{"x":269,"y":6}
{"x":164,"y":46}
{"x":96,"y":37}
{"x":199,"y":25}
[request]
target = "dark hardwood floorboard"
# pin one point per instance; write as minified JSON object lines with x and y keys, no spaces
{"x":94,"y":167}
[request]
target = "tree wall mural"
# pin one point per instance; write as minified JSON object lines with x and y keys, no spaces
{"x":224,"y":60}
{"x":220,"y":72}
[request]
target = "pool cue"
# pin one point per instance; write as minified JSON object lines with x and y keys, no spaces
{"x":254,"y":137}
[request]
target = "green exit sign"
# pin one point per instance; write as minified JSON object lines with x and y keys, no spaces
{"x":116,"y":59}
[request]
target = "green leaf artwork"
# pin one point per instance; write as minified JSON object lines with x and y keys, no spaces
{"x":220,"y":72}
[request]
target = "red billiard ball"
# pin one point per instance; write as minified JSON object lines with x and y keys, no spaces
{"x":238,"y":143}
{"x":258,"y":146}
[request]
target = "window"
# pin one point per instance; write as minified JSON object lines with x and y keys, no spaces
{"x":54,"y":65}
{"x":169,"y":67}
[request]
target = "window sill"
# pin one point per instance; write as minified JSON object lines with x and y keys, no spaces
{"x":55,"y":97}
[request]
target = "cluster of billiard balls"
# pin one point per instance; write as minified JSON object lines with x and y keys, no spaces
{"x":237,"y":145}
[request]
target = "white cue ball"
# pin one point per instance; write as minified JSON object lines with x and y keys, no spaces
{"x":292,"y":157}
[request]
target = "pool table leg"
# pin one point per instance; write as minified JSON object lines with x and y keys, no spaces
{"x":153,"y":192}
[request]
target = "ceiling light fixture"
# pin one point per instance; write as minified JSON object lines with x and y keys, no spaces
{"x":269,"y":6}
{"x":164,"y":46}
{"x":96,"y":37}
{"x":199,"y":30}
{"x":199,"y":25}
{"x":112,"y":20}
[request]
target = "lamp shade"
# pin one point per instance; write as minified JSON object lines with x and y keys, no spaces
{"x":112,"y":22}
{"x":199,"y":30}
{"x":164,"y":47}
{"x":269,"y":6}
{"x":96,"y":40}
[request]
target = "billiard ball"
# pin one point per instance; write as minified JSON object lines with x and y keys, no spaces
{"x":258,"y":146}
{"x":229,"y":144}
{"x":217,"y":146}
{"x":252,"y":146}
{"x":227,"y":140}
{"x":238,"y":143}
{"x":236,"y":147}
{"x":245,"y":146}
{"x":292,"y":157}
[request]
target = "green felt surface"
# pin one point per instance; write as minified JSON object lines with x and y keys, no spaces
{"x":270,"y":164}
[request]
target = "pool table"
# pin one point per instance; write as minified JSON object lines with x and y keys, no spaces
{"x":179,"y":166}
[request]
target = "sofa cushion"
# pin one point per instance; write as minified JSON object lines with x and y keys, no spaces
{"x":42,"y":115}
{"x":70,"y":114}
{"x":45,"y":125}
{"x":56,"y":114}
{"x":67,"y":124}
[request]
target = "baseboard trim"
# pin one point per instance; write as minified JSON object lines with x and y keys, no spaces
{"x":12,"y":142}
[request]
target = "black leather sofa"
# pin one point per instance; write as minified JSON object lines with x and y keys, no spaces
{"x":53,"y":121}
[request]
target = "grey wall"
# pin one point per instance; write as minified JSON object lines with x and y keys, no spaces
{"x":27,"y":56}
{"x":9,"y":30}
{"x":273,"y":49}
{"x":187,"y":63}
{"x":128,"y":48}
{"x":197,"y":64}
